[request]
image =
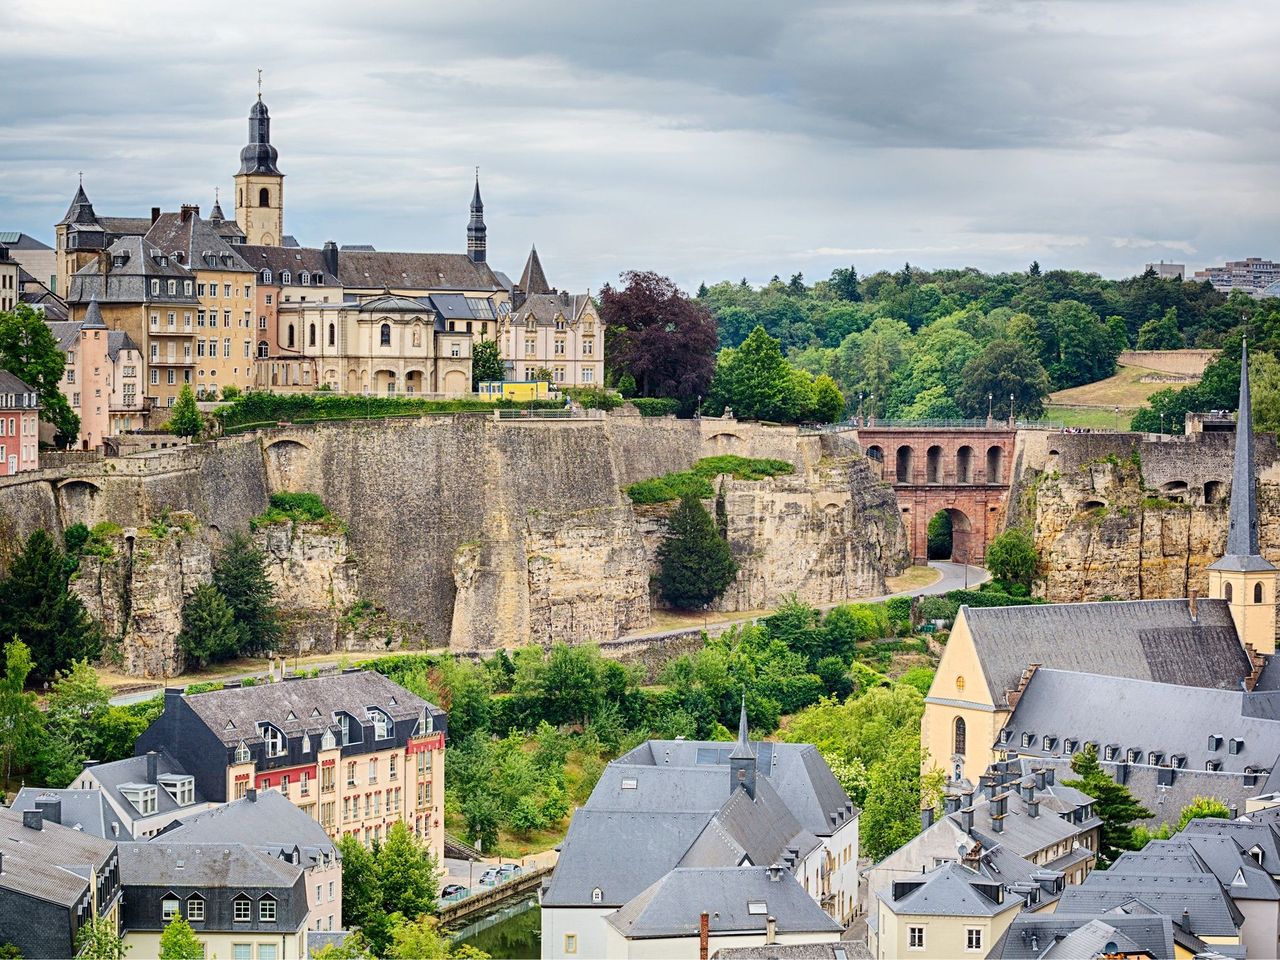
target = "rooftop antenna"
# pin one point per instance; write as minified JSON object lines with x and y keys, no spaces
{"x":82,"y":178}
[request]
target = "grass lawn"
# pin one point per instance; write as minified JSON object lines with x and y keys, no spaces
{"x":1096,"y":418}
{"x":1125,"y":389}
{"x":911,"y":578}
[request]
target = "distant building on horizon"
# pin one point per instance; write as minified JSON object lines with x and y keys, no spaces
{"x":1252,"y":275}
{"x":1167,"y":271}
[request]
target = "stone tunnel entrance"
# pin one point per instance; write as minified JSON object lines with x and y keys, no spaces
{"x":962,"y":472}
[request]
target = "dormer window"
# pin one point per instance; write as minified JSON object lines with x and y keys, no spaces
{"x":266,"y":276}
{"x":1256,"y":852}
{"x":242,"y":753}
{"x":168,"y":908}
{"x":1049,"y":742}
{"x":1215,"y":742}
{"x":242,"y":909}
{"x":381,"y":723}
{"x":274,"y":738}
{"x":348,"y":727}
{"x":173,"y":287}
{"x":142,"y":796}
{"x":181,"y":787}
{"x":1111,"y":752}
{"x":1235,"y":745}
{"x":285,"y":276}
{"x":1028,"y":739}
{"x":306,"y":278}
{"x":597,"y":895}
{"x":155,"y":288}
{"x":186,"y":287}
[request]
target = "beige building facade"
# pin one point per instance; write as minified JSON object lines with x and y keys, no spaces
{"x":10,"y":288}
{"x":545,"y":330}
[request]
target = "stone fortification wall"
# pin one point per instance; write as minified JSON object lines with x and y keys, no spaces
{"x":461,"y":531}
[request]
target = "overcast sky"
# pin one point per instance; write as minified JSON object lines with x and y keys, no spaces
{"x":703,"y":139}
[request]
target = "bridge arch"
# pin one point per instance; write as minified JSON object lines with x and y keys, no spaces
{"x":904,"y":464}
{"x":288,"y":462}
{"x":964,"y":464}
{"x":933,"y":464}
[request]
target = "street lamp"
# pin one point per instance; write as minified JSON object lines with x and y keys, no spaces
{"x":989,"y":398}
{"x":860,"y":398}
{"x":1011,"y":420}
{"x":1117,"y":418}
{"x":1162,"y":426}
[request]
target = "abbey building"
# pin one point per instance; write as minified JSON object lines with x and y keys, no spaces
{"x":213,"y":303}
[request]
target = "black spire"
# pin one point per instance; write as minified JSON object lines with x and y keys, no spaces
{"x":81,"y":210}
{"x":476,"y":243}
{"x":259,"y":156}
{"x":1242,"y":535}
{"x":216,"y":212}
{"x":742,"y":761}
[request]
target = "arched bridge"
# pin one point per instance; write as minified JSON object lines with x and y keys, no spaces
{"x":964,"y":470}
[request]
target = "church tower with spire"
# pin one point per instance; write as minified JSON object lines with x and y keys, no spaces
{"x":260,"y":184}
{"x":1243,"y":577}
{"x":742,"y":761}
{"x":476,"y":243}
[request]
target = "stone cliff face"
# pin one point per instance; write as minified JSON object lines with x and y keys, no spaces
{"x":1102,"y":532}
{"x":470,"y":533}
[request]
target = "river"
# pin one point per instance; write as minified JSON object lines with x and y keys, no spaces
{"x":513,"y":932}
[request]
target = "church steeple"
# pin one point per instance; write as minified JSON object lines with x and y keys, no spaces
{"x":742,"y":762}
{"x":260,"y":184}
{"x":476,"y":242}
{"x":1243,"y":577}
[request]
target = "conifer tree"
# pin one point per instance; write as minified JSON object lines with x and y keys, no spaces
{"x":185,"y":420}
{"x":1113,"y":803}
{"x":209,"y":630}
{"x":240,"y":575}
{"x":696,"y":564}
{"x":37,"y":608}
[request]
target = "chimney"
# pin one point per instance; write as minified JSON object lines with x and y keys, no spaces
{"x":251,"y":794}
{"x":153,"y":766}
{"x":770,"y":929}
{"x":1028,"y":792}
{"x":1033,"y":808}
{"x":331,"y":257}
{"x":189,"y":210}
{"x":966,"y":820}
{"x":155,"y":214}
{"x":1192,"y":596}
{"x":966,"y":799}
{"x":1186,"y":920}
{"x":926,"y":819}
{"x":32,"y":820}
{"x":1049,"y":775}
{"x":950,"y":804}
{"x":104,"y":265}
{"x":775,"y":873}
{"x":997,"y":824}
{"x":704,"y":931}
{"x":50,"y":810}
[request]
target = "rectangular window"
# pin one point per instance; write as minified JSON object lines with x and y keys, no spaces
{"x":269,"y":299}
{"x":391,"y":773}
{"x":346,"y":808}
{"x":168,"y":909}
{"x":242,"y":951}
{"x":199,"y":318}
{"x":195,"y":909}
{"x":368,"y":804}
{"x":226,"y":346}
{"x":155,"y":376}
{"x":570,"y":943}
{"x":973,"y":938}
{"x":587,"y":348}
{"x":267,"y":911}
{"x":243,"y":911}
{"x":173,"y":320}
{"x":559,"y":348}
{"x":915,"y":938}
{"x":373,"y":771}
{"x":226,"y":290}
{"x":173,"y":378}
{"x":262,"y":323}
{"x":351,"y":774}
{"x":267,"y":951}
{"x":246,"y":348}
{"x":588,"y":375}
{"x":226,"y":318}
{"x":331,"y":891}
{"x":199,"y":289}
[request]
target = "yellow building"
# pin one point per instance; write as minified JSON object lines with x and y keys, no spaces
{"x":260,"y":184}
{"x":9,"y":285}
{"x":81,"y":235}
{"x":548,"y":330}
{"x":947,"y":913}
{"x":519,"y":390}
{"x":221,"y":352}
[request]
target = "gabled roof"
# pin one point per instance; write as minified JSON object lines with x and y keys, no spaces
{"x":267,"y":821}
{"x":1211,"y":911}
{"x":672,"y":906}
{"x":85,"y":810}
{"x":1095,"y":938}
{"x":1250,"y":832}
{"x":544,"y":308}
{"x":233,"y":714}
{"x":1031,"y":935}
{"x":294,"y":260}
{"x":129,"y":281}
{"x":951,"y":890}
{"x":50,"y":863}
{"x":362,"y":269}
{"x":200,"y":245}
{"x":112,"y":776}
{"x":16,"y":240}
{"x":1155,"y":640}
{"x":10,"y":384}
{"x":533,"y":280}
{"x":227,"y":863}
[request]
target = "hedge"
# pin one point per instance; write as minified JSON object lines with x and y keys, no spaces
{"x":595,"y":398}
{"x":988,"y":598}
{"x":656,"y":406}
{"x":260,"y":407}
{"x":697,"y":482}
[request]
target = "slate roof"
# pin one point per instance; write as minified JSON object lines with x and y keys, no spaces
{"x":1023,"y":834}
{"x":126,"y":226}
{"x":839,"y":950}
{"x":317,"y":940}
{"x":1233,"y":867}
{"x":111,"y":776}
{"x":48,"y":863}
{"x":1135,"y":714}
{"x":1212,"y":914}
{"x":9,"y":383}
{"x":951,"y":890}
{"x":65,"y":332}
{"x":671,"y":906}
{"x":545,"y":307}
{"x":392,"y":303}
{"x":763,"y":828}
{"x":363,"y":269}
{"x":1143,"y":639}
{"x":85,"y":810}
{"x":201,"y":246}
{"x":1093,"y":939}
{"x":1250,"y":831}
{"x":533,"y":280}
{"x":654,"y":843}
{"x":159,"y":863}
{"x":234,"y":714}
{"x":268,"y":822}
{"x":118,"y":340}
{"x":295,"y":260}
{"x":129,"y":283}
{"x":16,"y":240}
{"x":1151,"y":933}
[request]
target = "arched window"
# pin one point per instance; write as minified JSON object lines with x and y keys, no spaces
{"x":263,"y":350}
{"x":1257,"y":593}
{"x":1226,"y":592}
{"x":959,"y":736}
{"x":384,"y":337}
{"x":264,"y":197}
{"x":332,"y":334}
{"x":266,"y":276}
{"x":311,"y":335}
{"x":291,"y":337}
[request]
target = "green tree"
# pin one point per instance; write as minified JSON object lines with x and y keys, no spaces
{"x":406,"y":873}
{"x":425,"y":939}
{"x":37,"y":608}
{"x":353,"y":947}
{"x":1113,"y":803}
{"x":185,"y":420}
{"x":1162,"y":333}
{"x":240,"y":575}
{"x":481,"y":815}
{"x":939,"y":536}
{"x":486,"y":363}
{"x":1203,"y":807}
{"x":30,"y":352}
{"x":896,"y":793}
{"x":696,"y":565}
{"x":569,"y":683}
{"x":1012,"y":557}
{"x":100,"y":940}
{"x":20,"y":718}
{"x":179,"y":942}
{"x":1004,"y":367}
{"x":209,"y":630}
{"x":828,"y":401}
{"x":361,"y":894}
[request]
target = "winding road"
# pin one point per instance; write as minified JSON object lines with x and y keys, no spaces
{"x":955,"y":576}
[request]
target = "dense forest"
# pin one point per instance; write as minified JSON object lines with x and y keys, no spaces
{"x":916,"y":344}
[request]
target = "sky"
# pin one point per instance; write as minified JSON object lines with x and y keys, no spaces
{"x":704,"y":139}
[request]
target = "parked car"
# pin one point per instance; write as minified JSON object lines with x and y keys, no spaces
{"x":453,"y":891}
{"x":490,"y":878}
{"x":509,"y":870}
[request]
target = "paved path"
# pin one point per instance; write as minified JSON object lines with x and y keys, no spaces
{"x":954,"y":577}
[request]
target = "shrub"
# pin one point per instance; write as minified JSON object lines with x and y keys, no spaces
{"x":594,"y":398}
{"x":697,"y":482}
{"x":1012,"y":556}
{"x":655,"y":406}
{"x":259,"y":408}
{"x":296,"y":507}
{"x":899,"y":610}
